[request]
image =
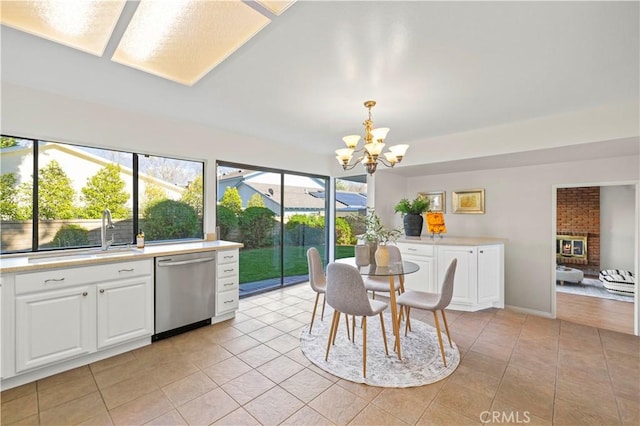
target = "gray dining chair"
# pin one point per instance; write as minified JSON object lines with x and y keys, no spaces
{"x":433,"y":302}
{"x":381,"y":284}
{"x":346,"y":295}
{"x":318,"y":283}
{"x":317,"y":280}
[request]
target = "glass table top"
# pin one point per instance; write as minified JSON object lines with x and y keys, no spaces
{"x":397,"y":268}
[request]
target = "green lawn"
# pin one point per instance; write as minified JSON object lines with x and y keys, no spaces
{"x":264,"y":263}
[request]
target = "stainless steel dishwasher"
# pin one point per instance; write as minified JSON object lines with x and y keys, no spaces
{"x":184,"y":292}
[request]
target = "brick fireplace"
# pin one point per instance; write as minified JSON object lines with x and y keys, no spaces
{"x":578,"y":214}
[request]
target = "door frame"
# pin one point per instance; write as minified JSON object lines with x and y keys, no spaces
{"x":554,"y":208}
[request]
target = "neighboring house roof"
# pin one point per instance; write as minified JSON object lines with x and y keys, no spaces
{"x":300,"y":191}
{"x":297,"y":198}
{"x":14,"y":158}
{"x":350,"y":201}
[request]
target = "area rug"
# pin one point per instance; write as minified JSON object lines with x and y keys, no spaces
{"x":593,"y":288}
{"x":421,"y":362}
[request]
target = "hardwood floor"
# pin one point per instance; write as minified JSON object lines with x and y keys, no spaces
{"x":593,"y":311}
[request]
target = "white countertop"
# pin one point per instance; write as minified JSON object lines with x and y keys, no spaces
{"x":66,"y":258}
{"x":453,"y":241}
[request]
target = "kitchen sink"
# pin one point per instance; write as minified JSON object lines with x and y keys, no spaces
{"x":82,"y":255}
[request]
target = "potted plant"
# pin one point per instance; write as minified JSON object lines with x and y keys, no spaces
{"x":412,"y":212}
{"x":375,"y":234}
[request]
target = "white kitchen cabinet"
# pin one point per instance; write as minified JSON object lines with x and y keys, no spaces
{"x":479,"y":277}
{"x":422,"y":255}
{"x":490,"y":274}
{"x":63,"y":315}
{"x":227,"y":281}
{"x":125,"y":310}
{"x":465,"y":289}
{"x":52,"y":326}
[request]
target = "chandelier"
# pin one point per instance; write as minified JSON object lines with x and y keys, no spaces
{"x":373,"y":145}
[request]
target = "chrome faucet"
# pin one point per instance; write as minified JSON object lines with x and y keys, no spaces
{"x":106,"y":216}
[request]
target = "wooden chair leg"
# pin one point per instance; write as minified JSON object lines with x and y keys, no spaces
{"x":384,"y":334}
{"x":346,"y":319}
{"x":446,"y":327}
{"x":335,"y":332}
{"x":407,"y":325}
{"x":331,"y":333}
{"x":353,"y":328}
{"x":435,"y":316}
{"x":313,"y":315}
{"x":364,"y":346}
{"x":324,"y":302}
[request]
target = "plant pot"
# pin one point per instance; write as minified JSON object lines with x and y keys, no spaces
{"x":382,"y":256}
{"x":413,"y":225}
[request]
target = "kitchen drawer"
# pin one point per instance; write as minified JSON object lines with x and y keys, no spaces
{"x":68,"y":277}
{"x":228,"y":283}
{"x":228,"y":270}
{"x":227,"y":301}
{"x":227,"y":256}
{"x":416,"y":249}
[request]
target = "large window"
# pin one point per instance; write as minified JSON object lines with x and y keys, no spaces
{"x":54,"y":196}
{"x":277,"y":215}
{"x":350,"y":202}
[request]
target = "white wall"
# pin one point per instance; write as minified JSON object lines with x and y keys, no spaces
{"x":519,"y":208}
{"x":617,"y":226}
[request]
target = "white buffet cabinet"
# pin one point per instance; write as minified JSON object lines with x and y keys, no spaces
{"x":61,"y":315}
{"x":479,"y":278}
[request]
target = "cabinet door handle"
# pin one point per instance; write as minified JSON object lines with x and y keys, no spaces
{"x":470,"y":251}
{"x":102,"y":290}
{"x":54,"y":280}
{"x":228,"y":284}
{"x":85,"y":293}
{"x":229,"y":270}
{"x":229,"y":301}
{"x":125,"y":270}
{"x":229,"y":257}
{"x":412,"y":249}
{"x":481,"y":251}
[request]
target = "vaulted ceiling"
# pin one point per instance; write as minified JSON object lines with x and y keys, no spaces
{"x":434,"y":68}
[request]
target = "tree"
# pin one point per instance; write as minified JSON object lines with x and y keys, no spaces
{"x":167,"y":169}
{"x":105,"y":190}
{"x":55,"y":193}
{"x":226,"y":220}
{"x":6,"y":142}
{"x":255,"y":201}
{"x":193,"y":195}
{"x":170,"y":219}
{"x":25,"y":201}
{"x":153,"y":193}
{"x":256,"y":227}
{"x":231,"y":199}
{"x":8,"y":197}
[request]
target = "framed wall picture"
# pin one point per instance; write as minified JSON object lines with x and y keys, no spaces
{"x":470,"y":201}
{"x":437,"y":201}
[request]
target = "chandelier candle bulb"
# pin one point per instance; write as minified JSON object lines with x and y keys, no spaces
{"x":372,"y":148}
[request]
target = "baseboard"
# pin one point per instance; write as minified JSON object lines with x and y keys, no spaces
{"x":530,"y":311}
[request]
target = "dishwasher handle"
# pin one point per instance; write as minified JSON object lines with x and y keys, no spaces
{"x":169,"y":262}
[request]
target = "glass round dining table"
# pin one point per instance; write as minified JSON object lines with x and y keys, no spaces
{"x":394,"y":269}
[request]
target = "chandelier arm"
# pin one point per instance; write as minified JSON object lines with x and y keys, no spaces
{"x":384,"y":161}
{"x":351,"y":166}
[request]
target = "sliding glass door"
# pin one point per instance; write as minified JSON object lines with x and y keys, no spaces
{"x":350,"y":202}
{"x":277,"y":215}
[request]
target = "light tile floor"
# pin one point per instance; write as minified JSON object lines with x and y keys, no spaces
{"x":515,"y":368}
